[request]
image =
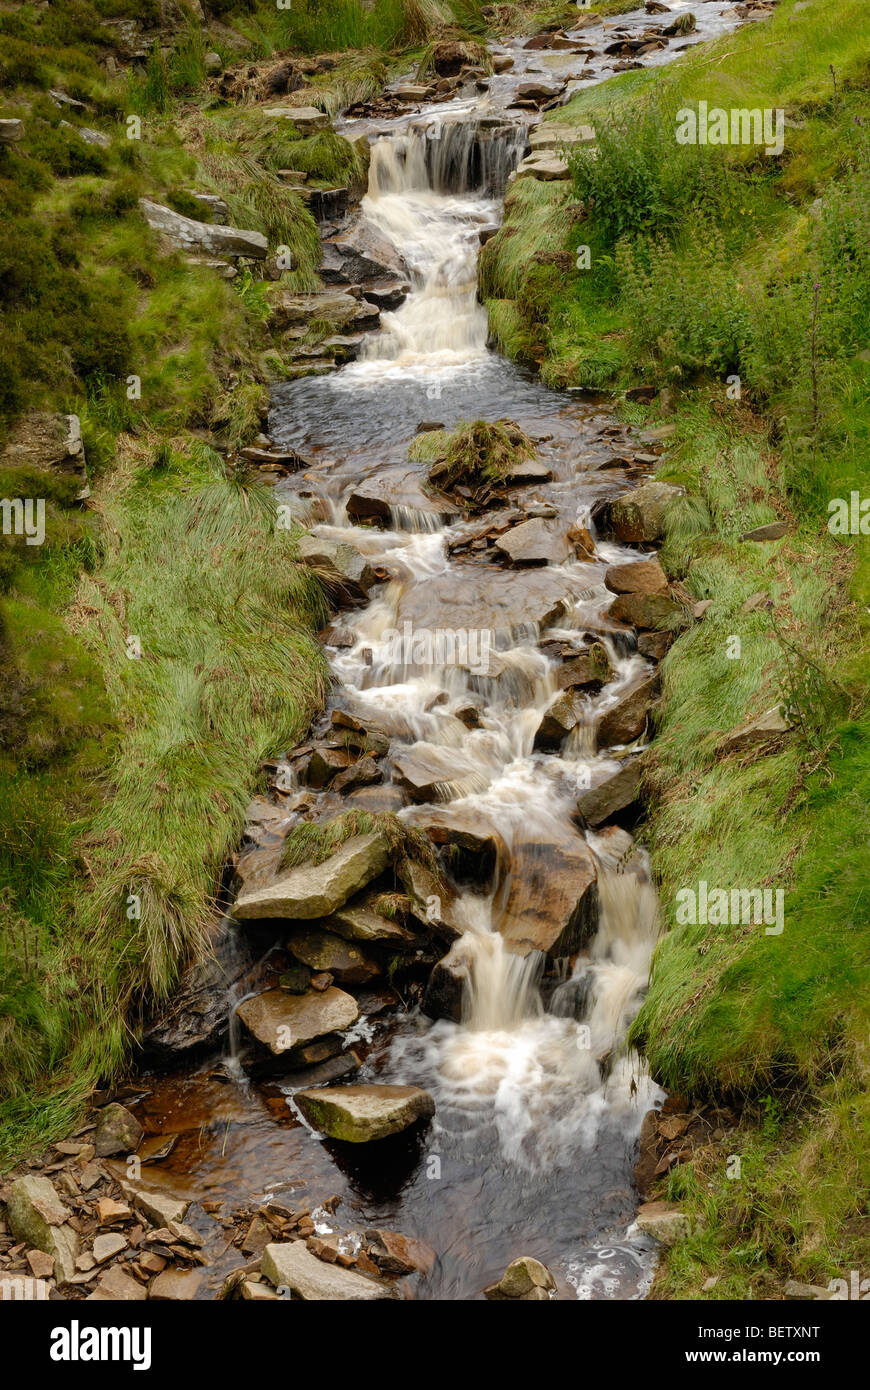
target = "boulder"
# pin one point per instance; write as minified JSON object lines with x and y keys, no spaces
{"x":118,"y":1131}
{"x":292,"y":1266}
{"x":663,"y":1221}
{"x":344,"y":569}
{"x":506,"y":602}
{"x":431,"y":902}
{"x":553,"y":135}
{"x":617,"y":791}
{"x":520,"y":1280}
{"x":655,"y":645}
{"x":394,"y":1253}
{"x":10,"y":131}
{"x":321,"y":950}
{"x":186,"y":234}
{"x":533,"y":543}
{"x":298,"y":310}
{"x":361,"y":1114}
{"x":544,"y":165}
{"x":639,"y":516}
{"x":431,"y":773}
{"x":374,"y":498}
{"x":358,"y":921}
{"x":307,"y":119}
{"x":626,"y":718}
{"x":773,"y":531}
{"x":539,"y":92}
{"x":37,"y":1218}
{"x":549,"y":901}
{"x":527,"y":471}
{"x":282,"y":1022}
{"x":50,"y":443}
{"x":590,"y":669}
{"x":316,"y":890}
{"x":647,"y":611}
{"x":765,"y":731}
{"x":640,"y":577}
{"x":449,"y":57}
{"x":445,"y":989}
{"x":561,"y":716}
{"x":362,"y":253}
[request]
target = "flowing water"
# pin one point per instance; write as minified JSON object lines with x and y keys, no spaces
{"x":538,"y":1101}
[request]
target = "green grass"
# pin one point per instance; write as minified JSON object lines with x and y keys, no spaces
{"x":205,"y":704}
{"x":475,"y":455}
{"x":312,"y":842}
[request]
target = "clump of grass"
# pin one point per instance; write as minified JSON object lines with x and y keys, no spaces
{"x":475,"y":457}
{"x":312,"y":842}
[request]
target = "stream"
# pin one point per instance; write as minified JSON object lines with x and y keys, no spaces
{"x":538,"y":1102}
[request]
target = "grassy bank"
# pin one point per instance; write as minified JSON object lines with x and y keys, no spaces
{"x":738,"y":283}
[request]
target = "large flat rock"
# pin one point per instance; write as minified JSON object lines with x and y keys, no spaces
{"x":292,"y":1266}
{"x":550,"y":901}
{"x":359,"y":1114}
{"x":508,"y":602}
{"x":187,"y":234}
{"x":282,"y":1021}
{"x":316,"y":890}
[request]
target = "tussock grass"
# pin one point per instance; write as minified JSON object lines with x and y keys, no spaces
{"x":476,"y":456}
{"x":313,"y":842}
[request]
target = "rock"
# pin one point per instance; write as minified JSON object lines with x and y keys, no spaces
{"x":387,"y":294}
{"x":108,"y":1210}
{"x":552,"y":135}
{"x":506,"y":602}
{"x":117,"y":1287}
{"x":37,"y":1218}
{"x":92,"y":137}
{"x":626,"y":719}
{"x":501,"y":62}
{"x":292,"y":1266}
{"x":118,"y":1131}
{"x":108,"y":1245}
{"x":298,"y":310}
{"x":320,"y":950}
{"x":533,"y":543}
{"x":363,"y":773}
{"x":357,"y":921}
{"x":590,"y":669}
{"x":398,"y":1254}
{"x":41,"y":1264}
{"x":316,"y":890}
{"x":374,"y":498}
{"x":539,"y":92}
{"x":640,"y":577}
{"x":550,"y":900}
{"x":175,"y":1285}
{"x":617,"y":791}
{"x":647,"y":611}
{"x":344,"y":569}
{"x":49,"y":443}
{"x":654,"y":645}
{"x":528,"y":471}
{"x":795,"y":1292}
{"x":764,"y":731}
{"x":412,"y":91}
{"x":307,"y":119}
{"x":186,"y":234}
{"x":282,"y":1021}
{"x":663,"y":1221}
{"x":10,"y":131}
{"x":214,"y":66}
{"x":640,"y":515}
{"x":431,"y":773}
{"x":160,"y":1208}
{"x":445,"y":990}
{"x":257,"y":1292}
{"x":562,"y":715}
{"x":362,"y":253}
{"x":773,"y":531}
{"x":361,"y":1114}
{"x":431,"y":902}
{"x":521,"y":1278}
{"x":544,"y":165}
